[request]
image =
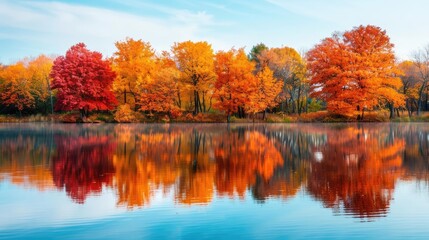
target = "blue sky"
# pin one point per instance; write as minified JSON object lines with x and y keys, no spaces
{"x":29,"y":28}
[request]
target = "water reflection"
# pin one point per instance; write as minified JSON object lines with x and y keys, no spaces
{"x":82,"y":163}
{"x":356,"y":169}
{"x":350,"y":168}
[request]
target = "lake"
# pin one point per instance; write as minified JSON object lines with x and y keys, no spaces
{"x":207,"y":181}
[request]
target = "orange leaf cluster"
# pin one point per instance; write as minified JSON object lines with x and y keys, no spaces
{"x":355,"y":70}
{"x":238,"y":87}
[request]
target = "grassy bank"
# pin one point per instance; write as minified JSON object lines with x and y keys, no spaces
{"x":314,"y":117}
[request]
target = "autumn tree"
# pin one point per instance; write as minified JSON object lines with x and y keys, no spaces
{"x":16,"y":87}
{"x":410,"y":85}
{"x":255,"y":53}
{"x":39,"y":70}
{"x":84,"y":81}
{"x":265,"y":92}
{"x":162,"y":93}
{"x":195,"y":61}
{"x":421,"y":60}
{"x":355,"y":71}
{"x":234,"y":82}
{"x":134,"y":64}
{"x":290,"y":68}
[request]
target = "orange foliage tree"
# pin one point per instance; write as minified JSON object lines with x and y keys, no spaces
{"x":162,"y":93}
{"x":235,"y":81}
{"x":196,"y":64}
{"x":16,"y":87}
{"x":266,"y":90}
{"x":355,"y":71}
{"x":25,"y":85}
{"x":134,"y":64}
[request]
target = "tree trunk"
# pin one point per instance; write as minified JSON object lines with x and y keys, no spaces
{"x":50,"y":96}
{"x":306,"y":102}
{"x":204,"y":101}
{"x":408,"y":106}
{"x":135,"y":100}
{"x":391,"y":110}
{"x":284,"y":106}
{"x":292,"y":102}
{"x":298,"y":102}
{"x":426,"y":102}
{"x":210,"y":104}
{"x":419,"y":103}
{"x":195,"y":102}
{"x":199,"y":102}
{"x":82,"y":115}
{"x":179,"y":100}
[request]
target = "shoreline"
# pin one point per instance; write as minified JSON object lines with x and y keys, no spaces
{"x":314,"y":117}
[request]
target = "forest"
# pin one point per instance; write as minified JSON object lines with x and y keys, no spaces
{"x":352,"y":76}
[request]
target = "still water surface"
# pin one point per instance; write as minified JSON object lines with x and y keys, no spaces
{"x":182,"y":181}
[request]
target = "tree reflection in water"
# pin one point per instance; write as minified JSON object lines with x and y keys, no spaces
{"x":356,"y":169}
{"x":351,"y":168}
{"x":82,"y":163}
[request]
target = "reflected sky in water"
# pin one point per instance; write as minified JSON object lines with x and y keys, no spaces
{"x":214,"y":180}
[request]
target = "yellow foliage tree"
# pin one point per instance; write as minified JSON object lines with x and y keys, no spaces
{"x":39,"y":70}
{"x":16,"y":87}
{"x":162,"y":94}
{"x":134,"y":63}
{"x":195,"y":61}
{"x":289,"y":67}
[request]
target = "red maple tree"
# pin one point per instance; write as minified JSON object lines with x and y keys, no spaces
{"x":84,"y":81}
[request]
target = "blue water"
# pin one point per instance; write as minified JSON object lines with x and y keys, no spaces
{"x":274,"y":181}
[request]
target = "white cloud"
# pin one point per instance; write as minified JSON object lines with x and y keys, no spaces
{"x":34,"y":27}
{"x":403,"y":20}
{"x":59,"y":25}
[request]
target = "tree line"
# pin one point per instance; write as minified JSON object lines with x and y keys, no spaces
{"x":348,"y":73}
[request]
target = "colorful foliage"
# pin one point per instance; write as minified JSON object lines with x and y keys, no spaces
{"x":355,"y":70}
{"x":84,"y":81}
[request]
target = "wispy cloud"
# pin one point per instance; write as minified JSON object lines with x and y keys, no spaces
{"x":402,"y":20}
{"x":59,"y":25}
{"x":44,"y":26}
